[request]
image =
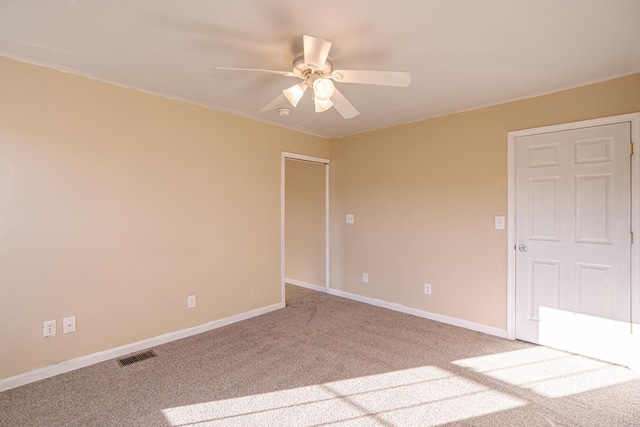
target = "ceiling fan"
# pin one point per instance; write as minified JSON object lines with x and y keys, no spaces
{"x":315,"y":69}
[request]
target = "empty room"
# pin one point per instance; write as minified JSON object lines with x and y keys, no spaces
{"x":261,"y":213}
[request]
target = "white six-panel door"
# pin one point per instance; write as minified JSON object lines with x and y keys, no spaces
{"x":573,"y":223}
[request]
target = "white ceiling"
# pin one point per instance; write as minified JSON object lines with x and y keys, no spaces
{"x":462,"y":54}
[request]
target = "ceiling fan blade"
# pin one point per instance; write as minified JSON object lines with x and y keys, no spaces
{"x":344,"y":107}
{"x":316,"y":51}
{"x":383,"y":78}
{"x":282,"y":73}
{"x":273,"y":104}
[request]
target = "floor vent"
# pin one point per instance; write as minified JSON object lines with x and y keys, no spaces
{"x":136,"y":358}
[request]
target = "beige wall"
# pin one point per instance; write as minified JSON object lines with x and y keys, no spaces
{"x":425,"y":195}
{"x":116,"y":205}
{"x":305,"y":222}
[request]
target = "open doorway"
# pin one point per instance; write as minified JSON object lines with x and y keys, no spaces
{"x":304,"y":222}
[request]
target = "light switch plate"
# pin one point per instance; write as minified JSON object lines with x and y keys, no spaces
{"x":499,"y":220}
{"x":191,"y":301}
{"x":350,"y":219}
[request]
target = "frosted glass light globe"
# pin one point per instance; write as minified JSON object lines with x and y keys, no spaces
{"x":323,"y":89}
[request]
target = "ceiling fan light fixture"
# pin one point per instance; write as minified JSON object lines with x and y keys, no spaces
{"x":322,"y":104}
{"x":314,"y":67}
{"x":323,"y":89}
{"x":294,"y":93}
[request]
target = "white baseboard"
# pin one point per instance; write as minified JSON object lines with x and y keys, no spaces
{"x":305,"y":285}
{"x":502,"y":333}
{"x":102,"y":356}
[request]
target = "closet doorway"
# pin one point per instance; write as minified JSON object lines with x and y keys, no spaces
{"x":304,"y":222}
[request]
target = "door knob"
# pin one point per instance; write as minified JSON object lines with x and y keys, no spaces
{"x":523,"y":248}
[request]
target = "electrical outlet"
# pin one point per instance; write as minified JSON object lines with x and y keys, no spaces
{"x":191,"y":301}
{"x":49,"y":328}
{"x":365,"y":277}
{"x":427,"y":289}
{"x":68,"y":324}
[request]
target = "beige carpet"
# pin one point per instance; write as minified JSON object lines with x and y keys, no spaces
{"x":324,"y":360}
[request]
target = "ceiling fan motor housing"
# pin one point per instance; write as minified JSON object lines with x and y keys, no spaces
{"x":309,"y":72}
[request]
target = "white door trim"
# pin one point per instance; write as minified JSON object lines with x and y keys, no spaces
{"x":634,"y":119}
{"x":295,"y":156}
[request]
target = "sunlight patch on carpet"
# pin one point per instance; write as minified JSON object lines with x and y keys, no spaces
{"x":548,"y":372}
{"x":428,"y":395}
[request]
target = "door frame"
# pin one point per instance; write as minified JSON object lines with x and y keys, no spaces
{"x":634,"y":119}
{"x":311,"y":159}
